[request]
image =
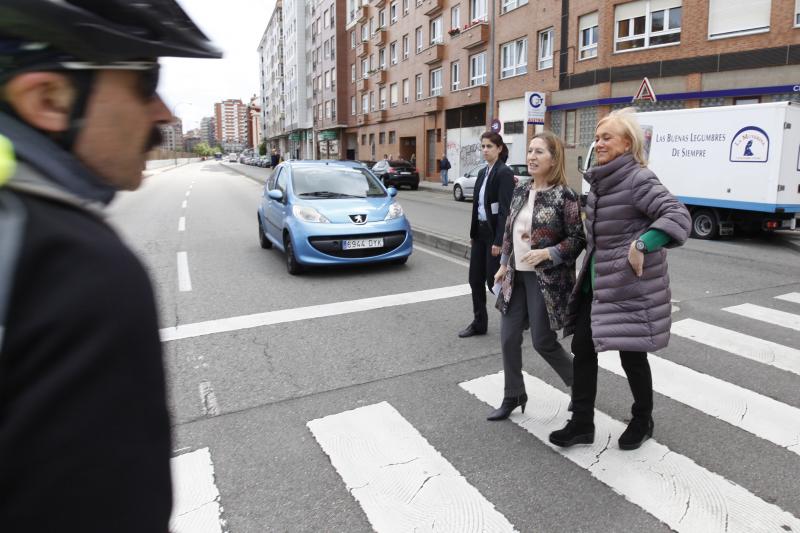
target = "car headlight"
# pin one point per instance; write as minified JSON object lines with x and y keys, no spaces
{"x":395,"y":211}
{"x":308,"y":214}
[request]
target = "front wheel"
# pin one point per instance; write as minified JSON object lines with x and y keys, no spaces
{"x":458,"y":194}
{"x":292,"y":266}
{"x":704,"y":224}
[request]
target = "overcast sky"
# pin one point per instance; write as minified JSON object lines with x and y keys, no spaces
{"x":191,"y":86}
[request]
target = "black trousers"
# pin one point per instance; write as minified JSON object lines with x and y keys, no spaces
{"x":482,"y":268}
{"x":584,"y":368}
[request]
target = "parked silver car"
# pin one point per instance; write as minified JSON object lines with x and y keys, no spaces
{"x":463,"y":186}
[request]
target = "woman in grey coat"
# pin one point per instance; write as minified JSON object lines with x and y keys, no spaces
{"x":621,"y":300}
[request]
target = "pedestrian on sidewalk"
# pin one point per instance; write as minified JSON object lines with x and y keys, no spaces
{"x":622,"y":298}
{"x":84,"y":425}
{"x":542,"y":240}
{"x":490,"y":206}
{"x":444,"y":166}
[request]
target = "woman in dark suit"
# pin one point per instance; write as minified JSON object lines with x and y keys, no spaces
{"x":491,"y":201}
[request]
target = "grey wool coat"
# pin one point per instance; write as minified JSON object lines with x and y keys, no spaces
{"x":628,"y":312}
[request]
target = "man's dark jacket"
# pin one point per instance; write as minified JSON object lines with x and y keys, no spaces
{"x":498,"y":191}
{"x":84,"y":428}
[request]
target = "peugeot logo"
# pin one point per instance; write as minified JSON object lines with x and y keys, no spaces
{"x":358,"y":219}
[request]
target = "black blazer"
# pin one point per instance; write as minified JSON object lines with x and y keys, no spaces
{"x":499,"y":190}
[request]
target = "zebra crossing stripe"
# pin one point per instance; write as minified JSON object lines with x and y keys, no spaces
{"x":669,"y":486}
{"x":196,"y":507}
{"x":762,"y":351}
{"x":791,"y":297}
{"x":747,"y":410}
{"x":765,"y":314}
{"x":401,"y":482}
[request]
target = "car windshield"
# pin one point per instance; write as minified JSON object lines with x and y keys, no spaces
{"x":334,"y":182}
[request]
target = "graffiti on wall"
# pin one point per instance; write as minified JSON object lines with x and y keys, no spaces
{"x":464,"y":149}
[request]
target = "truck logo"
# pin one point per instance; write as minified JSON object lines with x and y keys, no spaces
{"x":750,"y":145}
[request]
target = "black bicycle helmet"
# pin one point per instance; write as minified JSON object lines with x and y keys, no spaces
{"x":106,"y":31}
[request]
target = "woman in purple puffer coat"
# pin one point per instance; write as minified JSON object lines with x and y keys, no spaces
{"x":621,"y":300}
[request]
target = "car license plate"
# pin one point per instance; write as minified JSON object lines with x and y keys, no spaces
{"x":406,"y":173}
{"x":357,"y":244}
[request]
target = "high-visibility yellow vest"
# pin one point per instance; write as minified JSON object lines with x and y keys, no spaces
{"x":8,"y":162}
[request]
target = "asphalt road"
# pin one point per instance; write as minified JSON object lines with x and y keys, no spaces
{"x":247,"y":394}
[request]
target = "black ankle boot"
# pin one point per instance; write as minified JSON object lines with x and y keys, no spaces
{"x":573,"y":433}
{"x":638,"y":431}
{"x":508,"y":405}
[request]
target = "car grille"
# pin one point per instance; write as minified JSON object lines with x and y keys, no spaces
{"x":333,"y":245}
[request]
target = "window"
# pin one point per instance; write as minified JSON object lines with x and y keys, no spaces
{"x":455,"y":17}
{"x":508,"y":5}
{"x":514,"y":58}
{"x":546,"y":49}
{"x":587,"y":36}
{"x":353,"y":39}
{"x":393,"y":95}
{"x":418,"y":39}
{"x":393,"y":53}
{"x":436,"y":31}
{"x":327,"y":79}
{"x":333,"y":15}
{"x":363,"y":139}
{"x":735,"y":17}
{"x":406,"y":91}
{"x":455,"y":76}
{"x":405,"y":46}
{"x":382,"y":137}
{"x":477,"y":10}
{"x":382,"y":18}
{"x":328,"y":109}
{"x":371,"y":25}
{"x":796,"y":13}
{"x":477,"y":69}
{"x":333,"y":47}
{"x":569,"y":128}
{"x":364,"y":104}
{"x":353,"y":72}
{"x":372,"y":100}
{"x":364,"y":32}
{"x":327,"y":47}
{"x":418,"y":85}
{"x":647,"y":23}
{"x":325,"y":18}
{"x":364,"y":68}
{"x":382,"y":97}
{"x":436,"y":82}
{"x":333,"y":77}
{"x":393,"y":12}
{"x":392,"y":137}
{"x":382,"y":58}
{"x":353,"y":105}
{"x":405,"y":7}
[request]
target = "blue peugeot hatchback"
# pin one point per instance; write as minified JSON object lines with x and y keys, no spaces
{"x":328,"y":213}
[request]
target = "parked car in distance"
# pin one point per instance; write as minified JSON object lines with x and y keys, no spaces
{"x":463,"y":186}
{"x":397,"y":172}
{"x":322,"y":213}
{"x":232,"y":158}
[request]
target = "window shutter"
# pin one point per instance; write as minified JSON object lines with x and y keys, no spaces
{"x":727,"y":17}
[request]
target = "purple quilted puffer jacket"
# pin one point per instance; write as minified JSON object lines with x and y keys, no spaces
{"x":625,"y":200}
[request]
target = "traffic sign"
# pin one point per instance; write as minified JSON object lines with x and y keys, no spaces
{"x":496,"y":125}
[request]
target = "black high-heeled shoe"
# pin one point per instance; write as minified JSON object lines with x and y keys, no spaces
{"x":508,"y":405}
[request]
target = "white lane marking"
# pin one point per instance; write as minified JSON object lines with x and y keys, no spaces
{"x":446,"y":257}
{"x":184,"y":204}
{"x":762,"y":351}
{"x":305,"y":313}
{"x":400,"y":480}
{"x":742,"y":408}
{"x":196,"y":507}
{"x":188,"y":193}
{"x":184,"y":280}
{"x":765,"y":314}
{"x":669,"y":486}
{"x":182,"y":224}
{"x":793,"y":297}
{"x":209,"y":399}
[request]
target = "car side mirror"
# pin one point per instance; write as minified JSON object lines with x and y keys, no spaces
{"x":275,"y":194}
{"x":580,"y":163}
{"x":392,"y":192}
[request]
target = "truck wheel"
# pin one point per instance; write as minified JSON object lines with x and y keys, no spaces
{"x":704,"y":224}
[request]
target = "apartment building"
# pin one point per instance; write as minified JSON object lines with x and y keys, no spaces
{"x":231,"y":125}
{"x":427,"y":76}
{"x":328,"y":75}
{"x":208,"y":130}
{"x":172,"y":136}
{"x":273,"y":109}
{"x":254,"y":128}
{"x":297,"y":90}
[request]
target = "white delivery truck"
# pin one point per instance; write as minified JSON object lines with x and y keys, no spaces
{"x":737,"y":168}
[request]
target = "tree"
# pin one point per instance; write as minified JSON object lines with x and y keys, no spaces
{"x":262,"y":148}
{"x":203,"y":150}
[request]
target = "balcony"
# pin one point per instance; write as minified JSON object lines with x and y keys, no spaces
{"x":475,"y":36}
{"x":378,"y":77}
{"x":378,"y":115}
{"x":379,"y":37}
{"x":361,"y":85}
{"x":362,"y":49}
{"x":433,"y":104}
{"x":361,"y":119}
{"x":431,"y":7}
{"x":468,"y":96}
{"x":379,"y":3}
{"x":433,"y":54}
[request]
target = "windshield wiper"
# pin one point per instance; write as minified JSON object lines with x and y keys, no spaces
{"x":329,"y":194}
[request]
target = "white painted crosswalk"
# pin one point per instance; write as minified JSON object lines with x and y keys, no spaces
{"x":402,"y":483}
